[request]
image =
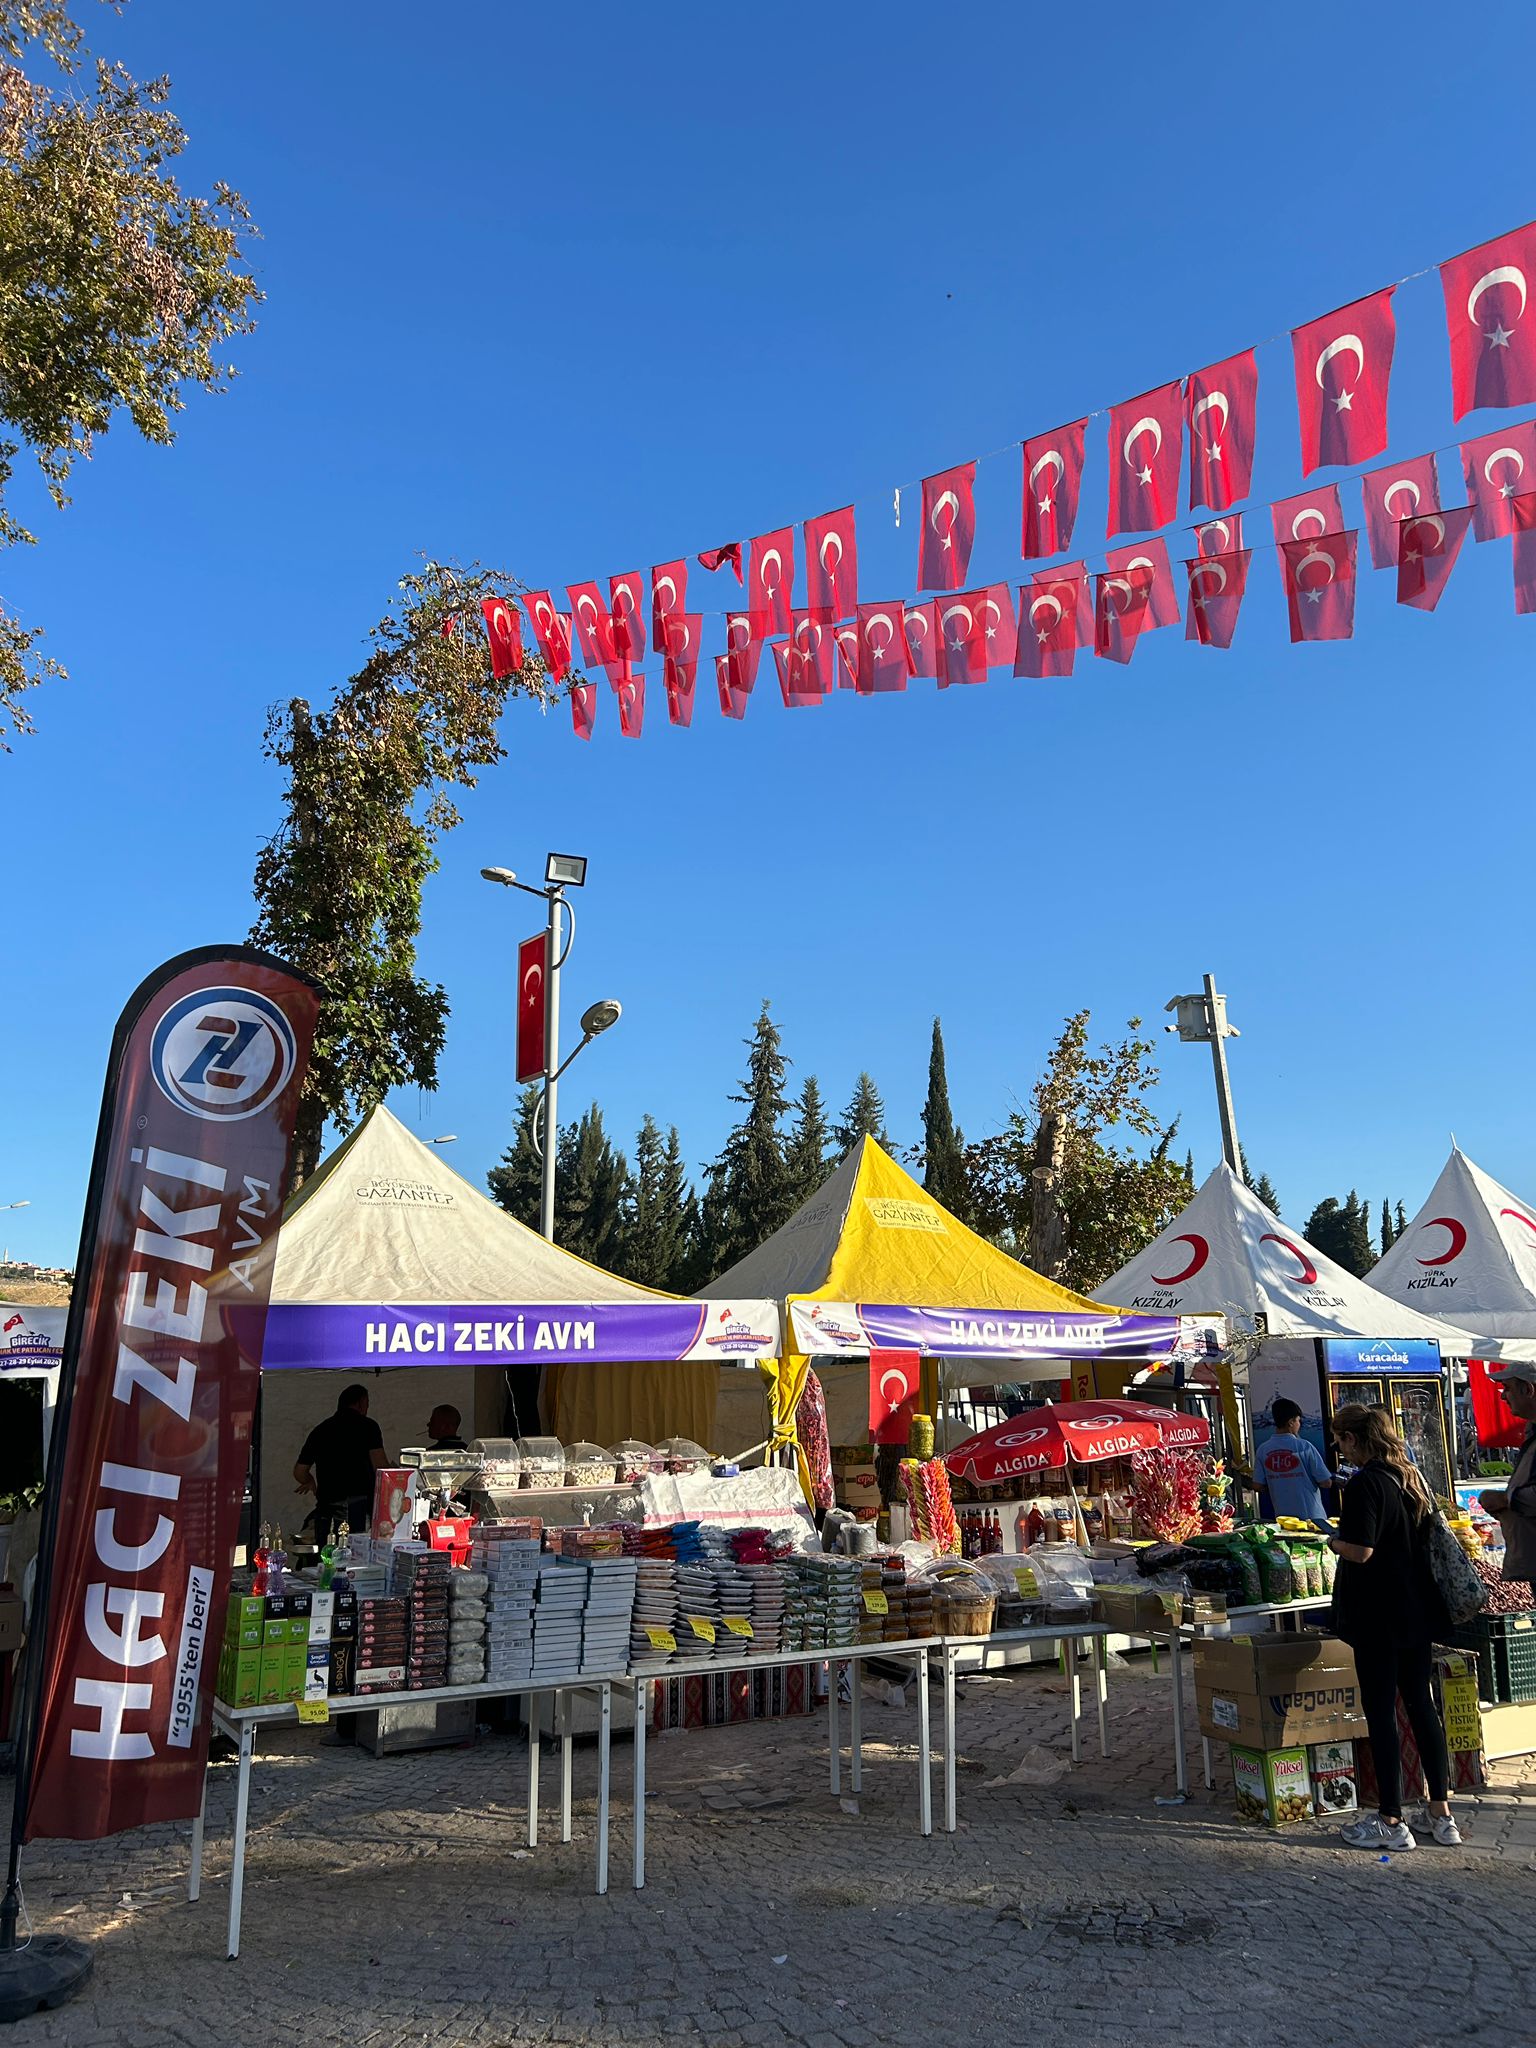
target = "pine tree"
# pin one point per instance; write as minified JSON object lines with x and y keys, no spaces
{"x":749,"y":1193}
{"x":659,"y":1214}
{"x":682,"y":1266}
{"x":1343,"y":1232}
{"x":1263,"y":1187}
{"x":1400,"y":1224}
{"x":1386,"y":1226}
{"x":517,"y":1184}
{"x":863,"y":1118}
{"x":590,"y":1188}
{"x":806,"y":1158}
{"x":944,"y":1174}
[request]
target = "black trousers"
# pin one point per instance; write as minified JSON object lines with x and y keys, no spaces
{"x":1385,"y":1670}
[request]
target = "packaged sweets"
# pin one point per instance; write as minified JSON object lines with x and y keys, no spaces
{"x":1275,"y":1574}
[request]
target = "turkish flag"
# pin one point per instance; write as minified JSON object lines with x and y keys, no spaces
{"x":505,"y":635}
{"x":632,"y":707}
{"x":949,"y":528}
{"x":1146,"y":438}
{"x":1428,"y":545}
{"x":797,"y":678}
{"x":1497,"y":469}
{"x":594,"y":624}
{"x":717,"y":558}
{"x":532,"y":965}
{"x":1392,"y":495}
{"x":814,"y":642}
{"x":920,"y":624}
{"x":832,"y":564}
{"x":1343,"y":369}
{"x":962,"y":652}
{"x":893,"y":1388}
{"x":679,"y":674}
{"x":552,"y":631}
{"x":1523,"y":511}
{"x":1120,"y":606}
{"x":1076,"y":572}
{"x":1221,"y":404}
{"x":1493,"y":344}
{"x":583,"y":709}
{"x":1217,"y":585}
{"x":669,"y":594}
{"x":1053,"y":475}
{"x":847,"y":638}
{"x":1308,"y":514}
{"x":1163,"y":607}
{"x":771,"y":578}
{"x":1320,"y":585}
{"x":1047,"y":639}
{"x":882,"y":652}
{"x":733,"y":701}
{"x":1223,"y":536}
{"x":1497,"y":1426}
{"x":745,"y":633}
{"x":625,"y":610}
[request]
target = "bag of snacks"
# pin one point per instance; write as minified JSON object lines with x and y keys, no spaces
{"x":1275,"y":1574}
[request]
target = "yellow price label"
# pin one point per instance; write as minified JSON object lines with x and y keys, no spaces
{"x":876,"y":1603}
{"x":737,"y":1624}
{"x":1027,"y":1583}
{"x":314,"y":1712}
{"x":661,"y":1639}
{"x":704,"y":1630}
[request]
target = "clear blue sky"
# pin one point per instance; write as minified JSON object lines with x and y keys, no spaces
{"x":575,"y":294}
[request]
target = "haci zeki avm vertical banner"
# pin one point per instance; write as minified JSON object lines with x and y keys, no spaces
{"x":149,"y":1462}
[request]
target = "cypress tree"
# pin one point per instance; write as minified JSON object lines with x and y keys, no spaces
{"x":1386,"y":1227}
{"x":944,"y":1174}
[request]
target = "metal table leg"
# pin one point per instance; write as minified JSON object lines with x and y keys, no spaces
{"x":1075,"y":1691}
{"x":604,"y":1735}
{"x":1205,"y":1761}
{"x":856,"y":1726}
{"x":534,"y":1709}
{"x":1101,"y":1687}
{"x":565,"y":1765}
{"x":642,"y":1690}
{"x":195,"y":1873}
{"x":237,"y":1847}
{"x":950,"y":1657}
{"x":834,"y":1735}
{"x":924,"y":1751}
{"x":1176,"y":1661}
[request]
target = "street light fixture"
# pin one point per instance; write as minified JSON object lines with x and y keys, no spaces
{"x":451,"y":1139}
{"x":1202,"y":1020}
{"x":27,"y":1204}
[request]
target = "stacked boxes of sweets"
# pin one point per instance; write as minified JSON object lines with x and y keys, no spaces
{"x":421,"y":1576}
{"x":610,"y":1593}
{"x":507,"y":1556}
{"x":896,"y":1622}
{"x":467,"y":1616}
{"x":654,"y":1622}
{"x":381,"y":1643}
{"x":763,"y":1571}
{"x":559,"y":1596}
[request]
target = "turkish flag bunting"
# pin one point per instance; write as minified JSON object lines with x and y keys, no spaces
{"x":882,"y":655}
{"x":1343,"y":368}
{"x":1217,"y":585}
{"x":669,"y":593}
{"x":1076,"y":572}
{"x":1309,"y":514}
{"x":1392,"y":495}
{"x":717,"y":558}
{"x":625,"y":610}
{"x":679,"y":675}
{"x":1523,"y":513}
{"x":1320,"y":585}
{"x":832,"y":564}
{"x":1222,"y":404}
{"x":594,"y":623}
{"x":771,"y":577}
{"x":1163,"y":608}
{"x":583,"y":709}
{"x":1493,"y":344}
{"x":797,"y":678}
{"x":552,"y":631}
{"x":963,"y":653}
{"x":814,"y":641}
{"x":1497,"y":469}
{"x":1047,"y":640}
{"x":1053,"y":475}
{"x":1223,"y":536}
{"x":949,"y":528}
{"x":920,"y":623}
{"x":745,"y":633}
{"x":505,"y":635}
{"x":1427,"y":547}
{"x":1120,"y":607}
{"x":733,"y":701}
{"x":1146,"y":438}
{"x":847,"y":638}
{"x":632,"y":707}
{"x":893,"y":1388}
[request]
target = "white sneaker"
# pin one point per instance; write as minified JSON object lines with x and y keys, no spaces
{"x":1374,"y":1833}
{"x":1444,"y":1829}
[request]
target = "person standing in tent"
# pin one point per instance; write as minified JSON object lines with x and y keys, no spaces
{"x":1292,"y":1469}
{"x":337,"y":1464}
{"x":1513,"y":1507}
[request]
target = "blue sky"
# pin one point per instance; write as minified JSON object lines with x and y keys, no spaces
{"x":577,"y":299}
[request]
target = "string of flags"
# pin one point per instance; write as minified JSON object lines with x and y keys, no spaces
{"x":1198,"y":431}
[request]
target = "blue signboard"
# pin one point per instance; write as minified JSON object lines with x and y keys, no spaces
{"x":1382,"y":1356}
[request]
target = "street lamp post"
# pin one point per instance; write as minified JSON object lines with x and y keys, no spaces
{"x":561,"y":870}
{"x":1202,"y":1020}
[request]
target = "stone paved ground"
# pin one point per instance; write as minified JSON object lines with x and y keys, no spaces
{"x":386,"y":1905}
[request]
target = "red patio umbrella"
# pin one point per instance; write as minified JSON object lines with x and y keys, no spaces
{"x":1084,"y":1432}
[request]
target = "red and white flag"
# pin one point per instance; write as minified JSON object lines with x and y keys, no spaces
{"x":919,"y":622}
{"x":720,"y":558}
{"x":1163,"y":607}
{"x":1343,"y":369}
{"x":1220,"y":536}
{"x":626,"y":610}
{"x":1075,"y":573}
{"x":1053,"y":475}
{"x":679,"y":676}
{"x":1308,"y":514}
{"x":1498,"y":468}
{"x":1493,"y":343}
{"x":832,"y":565}
{"x":1320,"y":585}
{"x":1146,"y":439}
{"x":632,"y":707}
{"x":894,"y":1380}
{"x":771,"y":578}
{"x":882,"y":656}
{"x":962,"y":656}
{"x":817,"y":648}
{"x":847,"y":638}
{"x":1221,"y":404}
{"x":797,"y":679}
{"x":1120,"y":606}
{"x":1217,"y":585}
{"x":583,"y":709}
{"x":1047,"y":639}
{"x":745,"y":633}
{"x":949,"y":528}
{"x":505,"y":635}
{"x":669,"y":594}
{"x":1428,"y":544}
{"x":594,"y":631}
{"x":1523,"y":527}
{"x":733,"y":700}
{"x":552,"y":632}
{"x":1392,"y":495}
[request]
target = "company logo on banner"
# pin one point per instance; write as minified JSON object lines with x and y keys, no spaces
{"x":187,"y":1186}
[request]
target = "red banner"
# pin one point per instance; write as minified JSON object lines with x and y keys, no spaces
{"x":532,"y":969}
{"x":893,"y":1388}
{"x":187,"y":1186}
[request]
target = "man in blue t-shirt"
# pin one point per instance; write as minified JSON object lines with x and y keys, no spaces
{"x":1292,"y":1468}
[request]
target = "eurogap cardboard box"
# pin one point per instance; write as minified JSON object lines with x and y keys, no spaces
{"x":1277,"y":1691}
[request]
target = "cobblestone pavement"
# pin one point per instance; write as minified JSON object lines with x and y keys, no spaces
{"x":387,"y":1904}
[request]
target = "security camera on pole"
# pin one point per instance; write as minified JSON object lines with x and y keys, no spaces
{"x":1202,"y":1020}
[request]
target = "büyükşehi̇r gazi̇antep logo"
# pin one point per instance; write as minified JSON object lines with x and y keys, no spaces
{"x":222,"y":1053}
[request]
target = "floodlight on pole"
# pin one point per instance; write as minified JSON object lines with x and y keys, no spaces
{"x":1202,"y":1020}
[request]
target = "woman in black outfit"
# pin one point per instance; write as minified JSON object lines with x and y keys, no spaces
{"x":1385,"y":1607}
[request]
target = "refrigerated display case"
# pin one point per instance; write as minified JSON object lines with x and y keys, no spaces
{"x":1407,"y":1378}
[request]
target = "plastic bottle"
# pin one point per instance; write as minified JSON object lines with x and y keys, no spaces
{"x":1034,"y":1527}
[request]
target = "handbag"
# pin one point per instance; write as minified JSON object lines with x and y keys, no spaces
{"x":1451,"y":1572}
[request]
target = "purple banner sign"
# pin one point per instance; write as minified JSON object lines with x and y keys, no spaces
{"x":352,"y":1336}
{"x":831,"y":1326}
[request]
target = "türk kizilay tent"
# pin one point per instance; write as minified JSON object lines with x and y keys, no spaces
{"x":1469,"y":1257}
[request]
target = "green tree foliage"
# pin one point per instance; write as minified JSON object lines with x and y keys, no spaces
{"x":1060,"y":1185}
{"x":863,"y":1118}
{"x":1343,"y":1231}
{"x":366,"y":800}
{"x":517,"y":1183}
{"x":806,"y":1157}
{"x":591,"y":1184}
{"x":1399,"y":1224}
{"x":118,"y":289}
{"x":944,"y":1174}
{"x":749,"y":1192}
{"x":1387,"y":1235}
{"x":1263,"y":1187}
{"x":657,"y":1243}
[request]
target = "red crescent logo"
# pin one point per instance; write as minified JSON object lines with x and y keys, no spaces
{"x":1520,"y":1217}
{"x":1308,"y":1274}
{"x":1202,"y":1251}
{"x":1458,"y":1235}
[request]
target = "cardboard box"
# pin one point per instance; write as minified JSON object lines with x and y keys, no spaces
{"x":1276,"y":1691}
{"x":295,"y":1665}
{"x":1131,"y":1607}
{"x":240,"y":1676}
{"x":1335,"y":1783}
{"x":317,"y":1675}
{"x":244,"y":1619}
{"x":1273,"y":1786}
{"x":322,"y":1613}
{"x":274,"y":1658}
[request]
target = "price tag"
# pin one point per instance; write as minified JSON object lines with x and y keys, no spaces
{"x":737,"y":1624}
{"x":661,"y":1638}
{"x":316,"y":1712}
{"x":876,"y":1603}
{"x":1028,"y":1585}
{"x":704,"y":1630}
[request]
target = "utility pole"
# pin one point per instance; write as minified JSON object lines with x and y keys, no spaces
{"x":1202,"y":1020}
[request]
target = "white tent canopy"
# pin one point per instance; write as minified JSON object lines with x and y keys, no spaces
{"x":1227,"y":1252}
{"x":1469,"y":1256}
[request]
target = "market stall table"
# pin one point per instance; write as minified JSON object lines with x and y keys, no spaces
{"x":1066,"y":1636}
